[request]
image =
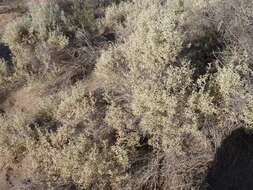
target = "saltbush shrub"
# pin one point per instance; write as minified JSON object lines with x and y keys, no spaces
{"x":163,"y":94}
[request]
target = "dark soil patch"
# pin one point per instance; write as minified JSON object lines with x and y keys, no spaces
{"x":233,"y":165}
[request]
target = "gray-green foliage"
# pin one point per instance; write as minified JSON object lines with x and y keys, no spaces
{"x":170,"y":86}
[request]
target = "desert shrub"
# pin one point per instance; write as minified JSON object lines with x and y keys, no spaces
{"x":3,"y":70}
{"x":114,"y":19}
{"x":24,"y":36}
{"x":17,"y":31}
{"x":15,"y":136}
{"x":64,"y":142}
{"x":82,"y":15}
{"x":177,"y":74}
{"x":148,"y":66}
{"x":75,"y":106}
{"x":15,"y":36}
{"x":46,"y":17}
{"x":73,"y":158}
{"x":128,"y":137}
{"x":163,"y":95}
{"x":37,"y":38}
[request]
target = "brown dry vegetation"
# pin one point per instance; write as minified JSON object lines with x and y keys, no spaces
{"x":126,"y":94}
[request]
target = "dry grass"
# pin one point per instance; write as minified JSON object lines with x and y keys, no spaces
{"x":114,"y":91}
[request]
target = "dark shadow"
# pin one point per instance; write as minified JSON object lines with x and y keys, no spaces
{"x":5,"y":52}
{"x":6,"y":55}
{"x":203,"y":53}
{"x":232,"y":168}
{"x":45,"y":123}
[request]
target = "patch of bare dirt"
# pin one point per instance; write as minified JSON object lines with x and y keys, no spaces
{"x":24,"y":100}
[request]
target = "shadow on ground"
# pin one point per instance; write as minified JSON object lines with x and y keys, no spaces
{"x":5,"y":52}
{"x":6,"y":55}
{"x":233,"y":165}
